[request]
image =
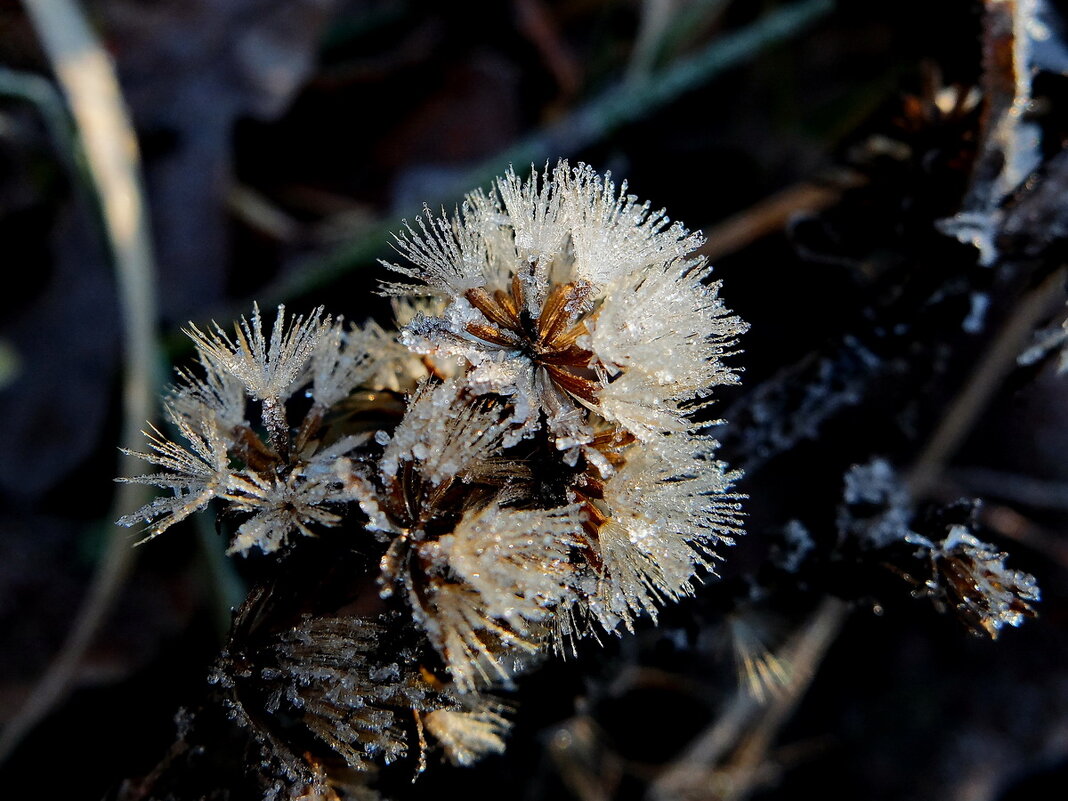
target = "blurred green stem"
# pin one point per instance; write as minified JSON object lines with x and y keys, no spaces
{"x":225,"y":588}
{"x":624,"y":103}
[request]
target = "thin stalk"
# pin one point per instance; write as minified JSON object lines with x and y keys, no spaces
{"x":87,"y":78}
{"x":993,"y":367}
{"x":747,"y":727}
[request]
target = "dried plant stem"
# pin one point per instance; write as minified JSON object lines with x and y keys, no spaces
{"x":655,"y":20}
{"x":747,"y":728}
{"x":274,"y":420}
{"x":261,"y":215}
{"x":629,"y":101}
{"x":593,"y":121}
{"x":1011,"y":524}
{"x":534,"y":19}
{"x":768,"y":216}
{"x":1022,"y":490}
{"x":998,"y":361}
{"x":87,"y":78}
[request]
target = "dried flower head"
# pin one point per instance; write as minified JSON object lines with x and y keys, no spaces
{"x":970,"y":577}
{"x":519,"y":465}
{"x":328,"y":677}
{"x":476,"y":574}
{"x":566,"y":295}
{"x":268,"y":368}
{"x":281,"y":485}
{"x":195,"y":474}
{"x":651,"y":527}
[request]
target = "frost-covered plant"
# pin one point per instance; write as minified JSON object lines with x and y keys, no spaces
{"x":970,"y":576}
{"x":518,"y":466}
{"x":569,"y":298}
{"x":954,"y":568}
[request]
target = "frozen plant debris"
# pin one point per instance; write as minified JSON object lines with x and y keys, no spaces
{"x":330,"y":678}
{"x":963,"y":574}
{"x":876,"y":507}
{"x":970,"y":577}
{"x":761,"y":673}
{"x":467,"y":736}
{"x":447,"y":503}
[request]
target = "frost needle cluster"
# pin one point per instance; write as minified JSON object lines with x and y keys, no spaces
{"x":518,"y":466}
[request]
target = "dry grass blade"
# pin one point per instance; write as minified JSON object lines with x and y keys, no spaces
{"x":768,"y":216}
{"x":995,"y":365}
{"x":87,"y":78}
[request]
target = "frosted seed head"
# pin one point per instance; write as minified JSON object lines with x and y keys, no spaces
{"x":575,"y":284}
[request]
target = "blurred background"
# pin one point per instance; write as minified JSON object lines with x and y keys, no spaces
{"x":281,"y":142}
